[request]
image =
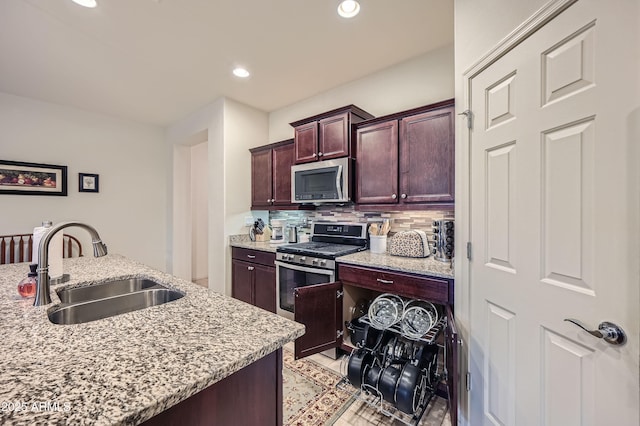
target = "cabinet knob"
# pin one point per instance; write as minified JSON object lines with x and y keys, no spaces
{"x":394,"y":196}
{"x":320,"y":154}
{"x":403,"y":196}
{"x":251,"y":256}
{"x":250,"y":268}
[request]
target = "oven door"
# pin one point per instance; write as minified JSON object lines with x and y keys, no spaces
{"x":289,"y":277}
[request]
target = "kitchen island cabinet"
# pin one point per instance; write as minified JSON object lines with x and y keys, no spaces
{"x":406,"y":160}
{"x":129,"y":368}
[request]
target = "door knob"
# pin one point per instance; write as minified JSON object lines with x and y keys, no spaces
{"x":608,"y":331}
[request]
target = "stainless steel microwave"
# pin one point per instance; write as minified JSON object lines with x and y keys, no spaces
{"x":321,"y":182}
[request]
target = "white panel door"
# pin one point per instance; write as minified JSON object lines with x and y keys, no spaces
{"x":553,"y":223}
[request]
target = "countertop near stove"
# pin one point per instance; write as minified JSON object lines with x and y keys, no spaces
{"x":130,"y":367}
{"x":422,"y":266}
{"x":243,"y":241}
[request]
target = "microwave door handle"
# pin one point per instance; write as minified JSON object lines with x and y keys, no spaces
{"x":339,"y":182}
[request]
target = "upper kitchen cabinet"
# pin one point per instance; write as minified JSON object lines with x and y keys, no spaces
{"x":407,"y":159}
{"x":271,"y":175}
{"x":327,"y":135}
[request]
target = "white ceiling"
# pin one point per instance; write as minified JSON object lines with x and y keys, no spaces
{"x":156,"y":61}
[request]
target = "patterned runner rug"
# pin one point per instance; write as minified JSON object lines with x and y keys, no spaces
{"x":309,"y":393}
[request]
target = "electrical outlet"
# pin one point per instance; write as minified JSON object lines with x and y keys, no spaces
{"x":248,"y":220}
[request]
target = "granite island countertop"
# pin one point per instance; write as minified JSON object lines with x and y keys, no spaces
{"x":130,"y":367}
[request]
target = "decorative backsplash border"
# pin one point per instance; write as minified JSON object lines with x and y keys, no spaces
{"x":400,"y":220}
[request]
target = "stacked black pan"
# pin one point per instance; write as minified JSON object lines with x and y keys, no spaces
{"x":395,"y":367}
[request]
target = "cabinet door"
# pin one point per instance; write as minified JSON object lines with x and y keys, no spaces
{"x":319,"y":308}
{"x":261,"y":178}
{"x":306,"y":142}
{"x":333,"y":140}
{"x":451,"y":344}
{"x":282,"y":162}
{"x":242,"y":274}
{"x":377,"y":163}
{"x":427,"y":157}
{"x":264,"y":287}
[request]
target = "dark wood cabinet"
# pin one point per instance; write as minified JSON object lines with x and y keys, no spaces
{"x":327,"y":135}
{"x":407,"y":159}
{"x":319,"y":308}
{"x":271,"y":176}
{"x":377,"y":163}
{"x":250,"y":396}
{"x":253,"y":276}
{"x":324,"y":309}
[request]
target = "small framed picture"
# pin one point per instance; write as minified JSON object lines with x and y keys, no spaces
{"x":88,"y":182}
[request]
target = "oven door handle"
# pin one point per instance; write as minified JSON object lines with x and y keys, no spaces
{"x":328,"y":272}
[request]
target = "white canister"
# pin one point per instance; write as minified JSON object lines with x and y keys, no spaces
{"x":55,"y":249}
{"x":378,"y":243}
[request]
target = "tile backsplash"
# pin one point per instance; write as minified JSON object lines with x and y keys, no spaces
{"x":400,"y":220}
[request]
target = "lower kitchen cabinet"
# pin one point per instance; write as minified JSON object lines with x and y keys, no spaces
{"x":325,"y":310}
{"x":253,"y":277}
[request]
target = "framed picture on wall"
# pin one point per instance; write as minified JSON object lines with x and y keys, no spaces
{"x":88,"y":182}
{"x":20,"y":178}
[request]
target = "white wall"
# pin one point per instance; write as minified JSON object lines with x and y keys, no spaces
{"x":199,"y":210}
{"x":244,"y":127}
{"x":129,"y":212}
{"x":232,"y":129}
{"x":420,"y":81}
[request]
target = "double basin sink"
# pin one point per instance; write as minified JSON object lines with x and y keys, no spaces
{"x":104,"y":300}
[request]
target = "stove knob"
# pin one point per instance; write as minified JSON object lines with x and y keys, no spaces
{"x":291,"y":257}
{"x":315,"y":261}
{"x":303,"y":259}
{"x":323,"y":262}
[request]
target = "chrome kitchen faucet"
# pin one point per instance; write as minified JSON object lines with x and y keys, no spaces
{"x":43,"y":286}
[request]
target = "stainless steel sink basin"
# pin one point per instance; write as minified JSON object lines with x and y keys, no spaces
{"x":96,"y":309}
{"x":106,"y":289}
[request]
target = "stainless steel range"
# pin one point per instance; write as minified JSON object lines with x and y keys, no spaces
{"x":305,"y":264}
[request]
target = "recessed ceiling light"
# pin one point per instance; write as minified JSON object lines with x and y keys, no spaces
{"x":348,"y":8}
{"x":241,"y":72}
{"x":86,"y":3}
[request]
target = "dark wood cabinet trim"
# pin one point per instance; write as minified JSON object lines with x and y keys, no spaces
{"x":433,"y":289}
{"x":319,"y":308}
{"x":357,"y":112}
{"x":401,"y":114}
{"x":253,"y":256}
{"x":453,"y":373}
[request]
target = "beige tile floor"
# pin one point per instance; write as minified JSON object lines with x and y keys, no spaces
{"x":203,"y":282}
{"x":360,"y":414}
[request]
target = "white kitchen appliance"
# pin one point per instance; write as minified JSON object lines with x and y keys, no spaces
{"x":277,"y":231}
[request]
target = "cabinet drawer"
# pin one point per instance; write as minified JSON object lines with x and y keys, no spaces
{"x":426,"y":288}
{"x":253,"y":256}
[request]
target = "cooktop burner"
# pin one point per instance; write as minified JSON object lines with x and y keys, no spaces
{"x":314,"y":248}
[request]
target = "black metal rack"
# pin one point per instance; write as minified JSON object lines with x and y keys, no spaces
{"x":395,"y":374}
